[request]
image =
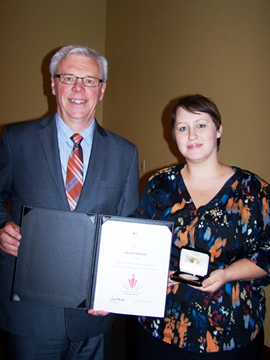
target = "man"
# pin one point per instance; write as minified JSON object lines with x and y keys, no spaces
{"x":34,"y":157}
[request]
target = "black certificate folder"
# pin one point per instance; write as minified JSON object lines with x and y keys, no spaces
{"x":58,"y":257}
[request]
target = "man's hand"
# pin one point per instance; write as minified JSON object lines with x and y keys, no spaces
{"x":97,"y":312}
{"x":10,"y":238}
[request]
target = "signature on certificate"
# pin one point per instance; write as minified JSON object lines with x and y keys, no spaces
{"x":116,"y":300}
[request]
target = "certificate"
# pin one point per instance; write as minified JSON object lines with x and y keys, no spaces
{"x":77,"y":260}
{"x":132,"y":269}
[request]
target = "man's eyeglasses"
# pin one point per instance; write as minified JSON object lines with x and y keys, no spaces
{"x":72,"y":79}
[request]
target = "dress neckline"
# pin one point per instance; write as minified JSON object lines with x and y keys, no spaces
{"x":226,"y":186}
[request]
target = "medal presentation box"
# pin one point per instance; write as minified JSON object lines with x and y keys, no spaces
{"x":193,"y":267}
{"x":77,"y":260}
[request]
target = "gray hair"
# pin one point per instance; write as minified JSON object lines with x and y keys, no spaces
{"x":65,"y":51}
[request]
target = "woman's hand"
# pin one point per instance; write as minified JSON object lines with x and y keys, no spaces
{"x":240,"y":270}
{"x":214,"y":282}
{"x":170,"y":281}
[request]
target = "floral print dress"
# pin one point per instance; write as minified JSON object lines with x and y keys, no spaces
{"x":235,"y":224}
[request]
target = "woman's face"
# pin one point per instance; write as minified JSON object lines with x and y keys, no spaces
{"x":196,"y":135}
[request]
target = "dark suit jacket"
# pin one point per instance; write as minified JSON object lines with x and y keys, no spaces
{"x":30,"y":174}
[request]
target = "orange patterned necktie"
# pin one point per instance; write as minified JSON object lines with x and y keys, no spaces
{"x":74,"y":179}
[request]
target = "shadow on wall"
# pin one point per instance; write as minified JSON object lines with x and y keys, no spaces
{"x":45,"y":70}
{"x":167,"y":134}
{"x":167,"y":129}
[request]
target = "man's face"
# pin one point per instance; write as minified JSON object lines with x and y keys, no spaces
{"x":76,"y":104}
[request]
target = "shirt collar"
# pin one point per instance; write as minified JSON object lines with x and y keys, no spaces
{"x":65,"y":132}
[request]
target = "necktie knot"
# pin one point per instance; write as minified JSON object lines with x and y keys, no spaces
{"x":76,"y":138}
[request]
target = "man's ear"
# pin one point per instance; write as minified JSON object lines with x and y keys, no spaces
{"x":53,"y":85}
{"x":103,"y":88}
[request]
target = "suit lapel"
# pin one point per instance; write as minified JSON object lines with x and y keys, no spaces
{"x":48,"y":137}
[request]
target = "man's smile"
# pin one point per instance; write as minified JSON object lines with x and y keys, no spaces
{"x":77,"y":101}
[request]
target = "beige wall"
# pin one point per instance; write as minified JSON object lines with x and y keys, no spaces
{"x":31,"y":31}
{"x":158,"y":50}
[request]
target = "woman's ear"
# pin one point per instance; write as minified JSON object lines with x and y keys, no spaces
{"x":219,"y":132}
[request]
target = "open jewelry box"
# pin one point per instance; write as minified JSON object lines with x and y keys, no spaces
{"x":193,"y":266}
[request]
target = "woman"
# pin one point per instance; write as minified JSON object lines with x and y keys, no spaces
{"x":222,"y":210}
